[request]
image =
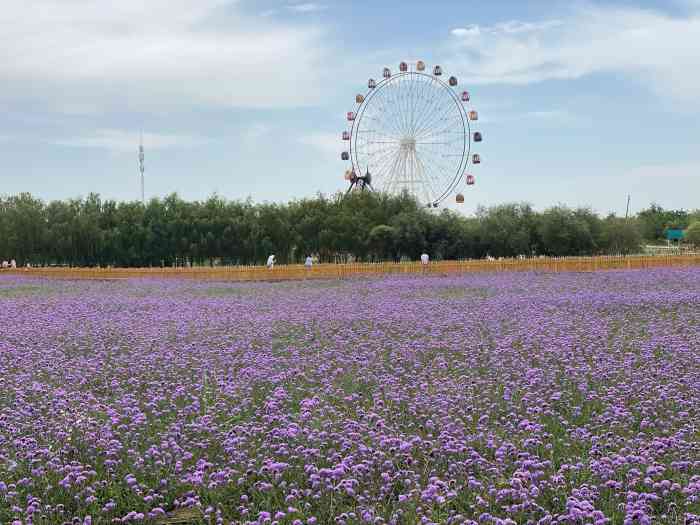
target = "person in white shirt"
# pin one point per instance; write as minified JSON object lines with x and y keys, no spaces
{"x":13,"y":264}
{"x":424,"y":259}
{"x":271,"y":262}
{"x":309,"y":262}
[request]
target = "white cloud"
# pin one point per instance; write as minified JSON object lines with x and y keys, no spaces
{"x":663,"y":171}
{"x":659,"y":49}
{"x":123,"y":141}
{"x":515,"y":27}
{"x":467,"y":32}
{"x":306,"y":7}
{"x":555,"y":116}
{"x":547,"y":117}
{"x":329,"y":143}
{"x":256,"y":131}
{"x":512,"y":27}
{"x":135,"y":55}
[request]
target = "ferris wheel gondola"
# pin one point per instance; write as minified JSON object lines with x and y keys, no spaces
{"x":415,"y":132}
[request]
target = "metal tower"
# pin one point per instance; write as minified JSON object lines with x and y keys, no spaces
{"x":142,"y":168}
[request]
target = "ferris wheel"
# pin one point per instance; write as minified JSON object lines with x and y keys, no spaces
{"x":412,"y":131}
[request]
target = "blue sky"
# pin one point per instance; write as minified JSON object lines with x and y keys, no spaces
{"x":580,"y":103}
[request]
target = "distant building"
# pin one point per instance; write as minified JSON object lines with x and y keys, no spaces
{"x":675,"y":234}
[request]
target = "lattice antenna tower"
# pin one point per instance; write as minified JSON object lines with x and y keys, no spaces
{"x":142,"y":168}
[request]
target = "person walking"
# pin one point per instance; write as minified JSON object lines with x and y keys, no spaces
{"x":271,"y":262}
{"x":309,"y":262}
{"x":424,"y":260}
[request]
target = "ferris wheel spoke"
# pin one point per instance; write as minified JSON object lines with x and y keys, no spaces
{"x":424,"y":101}
{"x":389,"y":173}
{"x":432,"y":107}
{"x":385,"y":147}
{"x":382,"y":111}
{"x":434,"y":175}
{"x":410,"y":102}
{"x":425,"y":180}
{"x":422,"y":98}
{"x":396,"y":99}
{"x":428,"y":103}
{"x":443,"y":111}
{"x":382,"y":156}
{"x":401,"y":99}
{"x":379,"y":112}
{"x":448,"y":166}
{"x":378,"y":158}
{"x":429,"y":181}
{"x":445,"y":126}
{"x":440,"y":114}
{"x":437,"y":160}
{"x":413,"y":101}
{"x":370,"y":141}
{"x":407,"y":102}
{"x":438,"y":152}
{"x":388,"y":115}
{"x":396,"y":171}
{"x":381,"y":132}
{"x":380,"y":126}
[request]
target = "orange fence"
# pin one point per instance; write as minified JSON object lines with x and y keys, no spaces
{"x":340,"y":271}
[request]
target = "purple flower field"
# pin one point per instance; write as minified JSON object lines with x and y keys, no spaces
{"x":489,"y":399}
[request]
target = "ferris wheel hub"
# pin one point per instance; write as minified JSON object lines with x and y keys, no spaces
{"x":408,"y":143}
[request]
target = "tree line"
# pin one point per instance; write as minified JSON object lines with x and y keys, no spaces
{"x":365,"y":226}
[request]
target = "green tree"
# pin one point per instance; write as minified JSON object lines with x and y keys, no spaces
{"x":620,"y":236}
{"x":654,"y":222}
{"x":508,"y":229}
{"x":409,"y":234}
{"x":692,"y":234}
{"x":567,"y":232}
{"x":381,"y":241}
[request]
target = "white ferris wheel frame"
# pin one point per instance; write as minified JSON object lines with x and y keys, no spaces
{"x":401,"y":161}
